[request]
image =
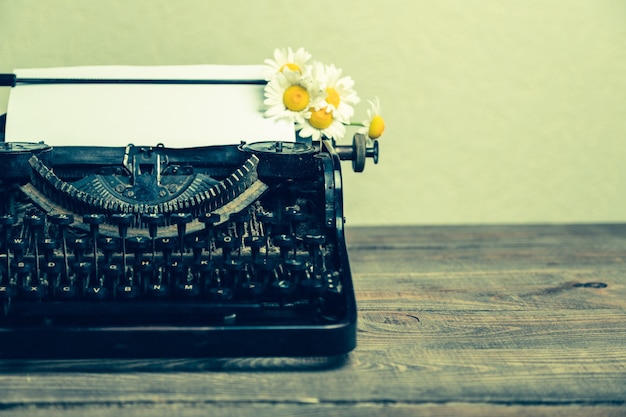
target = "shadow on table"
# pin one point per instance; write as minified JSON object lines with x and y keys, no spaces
{"x":269,"y":364}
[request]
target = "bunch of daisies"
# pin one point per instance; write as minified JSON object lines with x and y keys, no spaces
{"x":316,"y":97}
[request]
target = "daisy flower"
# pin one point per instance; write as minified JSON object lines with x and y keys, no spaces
{"x":340,"y":94}
{"x":316,"y":97}
{"x":286,"y":58}
{"x":374,"y":126}
{"x":320,"y":123}
{"x":289,"y":95}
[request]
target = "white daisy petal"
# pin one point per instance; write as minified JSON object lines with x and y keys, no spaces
{"x":340,"y":96}
{"x":374,"y":126}
{"x":285,"y":58}
{"x":280,"y":96}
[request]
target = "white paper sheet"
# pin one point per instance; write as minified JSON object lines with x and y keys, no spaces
{"x":176,"y":115}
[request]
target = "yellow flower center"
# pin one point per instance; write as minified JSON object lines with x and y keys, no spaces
{"x":291,"y":66}
{"x":377,"y":127}
{"x":296,"y":98}
{"x":320,"y":119}
{"x":332,"y":97}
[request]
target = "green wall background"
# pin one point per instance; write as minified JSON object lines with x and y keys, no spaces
{"x":497,"y":111}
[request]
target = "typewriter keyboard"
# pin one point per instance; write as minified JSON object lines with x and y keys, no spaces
{"x":233,"y":269}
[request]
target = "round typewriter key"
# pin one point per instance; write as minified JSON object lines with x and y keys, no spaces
{"x":146,"y":266}
{"x":123,"y":222}
{"x":109,"y":244}
{"x":67,"y":291}
{"x":267,"y":217}
{"x":284,"y":287}
{"x":112,"y":271}
{"x":284,"y":241}
{"x":94,"y":219}
{"x":195,"y":242}
{"x":180,"y":218}
{"x":314,"y":239}
{"x":34,"y":291}
{"x":152,"y":218}
{"x":49,"y":245}
{"x":251,"y":288}
{"x":138,"y":244}
{"x":242,"y":216}
{"x":97,"y":293}
{"x":227,"y":244}
{"x":79,"y":246}
{"x":128,"y":291}
{"x":294,"y":214}
{"x":166,"y":244}
{"x":188,"y":290}
{"x":233,"y":265}
{"x":177,"y":268}
{"x":254,"y":241}
{"x":203,"y":266}
{"x":209,"y":218}
{"x":51,"y":267}
{"x":7,"y":291}
{"x":221,"y":294}
{"x":158,"y":291}
{"x":18,"y":246}
{"x":33,"y":220}
{"x":315,"y":244}
{"x":294,"y":266}
{"x":158,"y":288}
{"x":153,"y":221}
{"x":22,"y":269}
{"x":7,"y":220}
{"x":313,"y":286}
{"x":82,"y":269}
{"x":61,"y":219}
{"x":293,"y":269}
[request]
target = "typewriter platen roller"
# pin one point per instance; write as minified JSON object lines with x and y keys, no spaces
{"x":150,"y":251}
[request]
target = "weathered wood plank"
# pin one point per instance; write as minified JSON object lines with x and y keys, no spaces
{"x":508,"y":320}
{"x":322,"y":410}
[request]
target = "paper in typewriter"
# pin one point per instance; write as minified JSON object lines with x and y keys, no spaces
{"x":176,"y":115}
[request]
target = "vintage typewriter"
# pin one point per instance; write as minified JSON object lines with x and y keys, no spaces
{"x":155,"y":251}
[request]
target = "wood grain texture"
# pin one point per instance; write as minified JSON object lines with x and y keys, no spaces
{"x":321,"y":410}
{"x":463,"y":320}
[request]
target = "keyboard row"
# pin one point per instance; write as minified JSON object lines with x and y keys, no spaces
{"x":219,"y":280}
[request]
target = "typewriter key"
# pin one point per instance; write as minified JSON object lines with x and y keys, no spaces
{"x":255,"y":243}
{"x":94,"y":221}
{"x":62,"y":221}
{"x":123,"y":222}
{"x":166,"y":245}
{"x":209,"y":220}
{"x":181,"y":220}
{"x":286,"y":243}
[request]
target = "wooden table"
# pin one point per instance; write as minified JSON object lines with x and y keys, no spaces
{"x":456,"y":320}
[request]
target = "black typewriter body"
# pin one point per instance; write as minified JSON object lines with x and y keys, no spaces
{"x":150,"y":251}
